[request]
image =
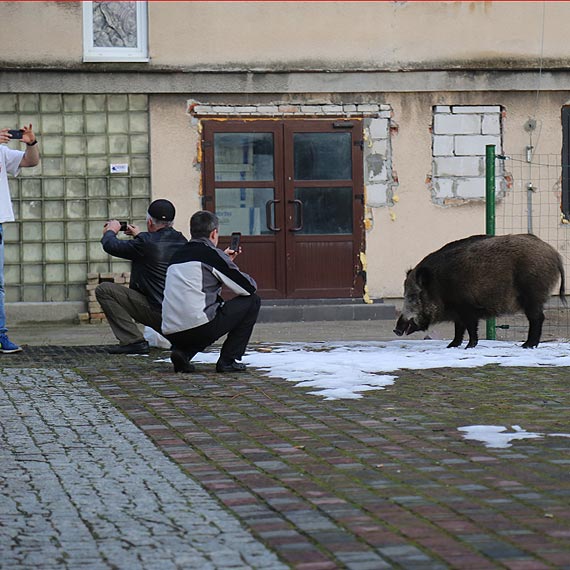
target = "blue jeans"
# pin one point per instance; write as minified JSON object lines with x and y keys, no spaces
{"x":3,"y":328}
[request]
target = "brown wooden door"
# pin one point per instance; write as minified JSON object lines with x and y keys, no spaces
{"x":295,"y":191}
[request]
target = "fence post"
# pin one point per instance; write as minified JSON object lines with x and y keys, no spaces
{"x":490,"y":214}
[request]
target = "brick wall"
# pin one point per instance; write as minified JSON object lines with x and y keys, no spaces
{"x":95,"y":314}
{"x":460,"y":134}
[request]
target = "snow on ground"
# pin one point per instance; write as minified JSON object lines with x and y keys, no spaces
{"x":348,"y":369}
{"x":337,"y":370}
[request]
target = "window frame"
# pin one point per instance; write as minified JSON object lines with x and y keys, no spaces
{"x":118,"y":54}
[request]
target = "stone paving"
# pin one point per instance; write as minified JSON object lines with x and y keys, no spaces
{"x":386,"y":481}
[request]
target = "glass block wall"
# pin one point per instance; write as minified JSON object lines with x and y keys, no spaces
{"x":62,"y":204}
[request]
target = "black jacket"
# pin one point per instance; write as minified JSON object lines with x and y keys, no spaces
{"x":150,"y":253}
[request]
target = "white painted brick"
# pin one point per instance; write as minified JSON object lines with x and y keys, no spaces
{"x":473,"y":188}
{"x":202,"y":109}
{"x":476,"y":109}
{"x":367,"y":108}
{"x":443,"y":145}
{"x":268,"y":109}
{"x":311,"y":109}
{"x":246,"y":110}
{"x":223,"y":109}
{"x":443,"y":187}
{"x":491,"y":125}
{"x":381,"y":176}
{"x":349,"y":108}
{"x":456,"y":124}
{"x":379,"y":128}
{"x":332,"y":108}
{"x":385,"y":108}
{"x":385,"y":114}
{"x":475,"y":145}
{"x":379,"y":146}
{"x":376,"y":195}
{"x":457,"y":166}
{"x":442,"y":109}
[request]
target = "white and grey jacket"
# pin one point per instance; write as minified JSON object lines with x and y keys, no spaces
{"x":194,"y":281}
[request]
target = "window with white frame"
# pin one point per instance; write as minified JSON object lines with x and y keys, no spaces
{"x":115,"y":31}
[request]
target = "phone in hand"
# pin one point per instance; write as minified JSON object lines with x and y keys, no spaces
{"x":16,"y":133}
{"x":234,"y":243}
{"x":124,"y":226}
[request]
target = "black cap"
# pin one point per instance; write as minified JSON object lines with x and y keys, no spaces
{"x":162,"y":210}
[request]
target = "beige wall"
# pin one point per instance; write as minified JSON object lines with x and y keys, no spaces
{"x":420,"y":226}
{"x":175,"y":172}
{"x":307,"y":35}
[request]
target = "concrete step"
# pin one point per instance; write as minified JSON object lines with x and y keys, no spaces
{"x":295,"y":310}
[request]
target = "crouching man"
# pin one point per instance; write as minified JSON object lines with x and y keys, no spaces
{"x":193,"y":313}
{"x":150,"y":253}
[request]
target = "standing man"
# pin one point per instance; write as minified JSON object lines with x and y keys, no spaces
{"x":10,"y":163}
{"x":150,"y":253}
{"x":193,"y":313}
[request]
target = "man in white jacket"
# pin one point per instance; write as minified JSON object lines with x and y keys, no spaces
{"x":11,"y":161}
{"x":193,"y":313}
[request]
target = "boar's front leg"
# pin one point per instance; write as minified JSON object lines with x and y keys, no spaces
{"x":459,"y":333}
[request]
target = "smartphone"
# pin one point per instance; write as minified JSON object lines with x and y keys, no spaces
{"x":234,"y":243}
{"x":124,"y":226}
{"x":16,"y":133}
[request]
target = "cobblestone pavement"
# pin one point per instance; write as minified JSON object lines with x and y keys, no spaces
{"x":386,"y":481}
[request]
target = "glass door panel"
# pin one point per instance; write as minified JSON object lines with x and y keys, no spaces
{"x":244,"y":210}
{"x":243,"y":156}
{"x":324,"y":210}
{"x":322,"y":156}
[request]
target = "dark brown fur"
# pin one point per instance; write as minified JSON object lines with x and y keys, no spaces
{"x":480,"y":277}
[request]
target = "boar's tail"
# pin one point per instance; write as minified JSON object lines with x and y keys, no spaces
{"x":562,"y":279}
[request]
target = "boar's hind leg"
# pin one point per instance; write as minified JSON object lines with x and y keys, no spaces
{"x":472,"y":326}
{"x":459,"y":333}
{"x":535,"y":316}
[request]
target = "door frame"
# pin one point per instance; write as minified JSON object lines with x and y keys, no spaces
{"x":283,"y":130}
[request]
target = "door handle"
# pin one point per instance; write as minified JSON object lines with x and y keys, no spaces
{"x":299,"y":208}
{"x":270,"y":216}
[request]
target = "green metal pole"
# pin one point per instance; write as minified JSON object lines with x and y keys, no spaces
{"x":490,"y":214}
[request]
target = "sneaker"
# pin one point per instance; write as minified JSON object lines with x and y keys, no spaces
{"x":7,"y":346}
{"x":232,"y":365}
{"x":141,"y":347}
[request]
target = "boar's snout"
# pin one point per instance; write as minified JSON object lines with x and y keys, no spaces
{"x":406,"y":326}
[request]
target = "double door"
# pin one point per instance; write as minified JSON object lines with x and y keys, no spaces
{"x":294,"y":190}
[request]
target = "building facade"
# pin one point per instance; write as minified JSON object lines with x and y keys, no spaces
{"x":344,"y":140}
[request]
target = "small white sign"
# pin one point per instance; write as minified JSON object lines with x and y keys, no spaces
{"x":119,"y":168}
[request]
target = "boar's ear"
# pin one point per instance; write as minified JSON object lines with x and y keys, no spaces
{"x":423,"y":277}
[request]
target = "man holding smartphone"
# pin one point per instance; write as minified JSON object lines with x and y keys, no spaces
{"x":193,"y":313}
{"x":11,"y":161}
{"x":150,"y":253}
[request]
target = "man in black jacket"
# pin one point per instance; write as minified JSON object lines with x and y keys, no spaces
{"x":150,"y":253}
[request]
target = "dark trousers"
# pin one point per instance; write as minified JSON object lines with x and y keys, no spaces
{"x":236,"y":318}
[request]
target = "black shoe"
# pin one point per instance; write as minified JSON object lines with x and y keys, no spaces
{"x":140,"y":347}
{"x":229,"y":366}
{"x":181,"y":362}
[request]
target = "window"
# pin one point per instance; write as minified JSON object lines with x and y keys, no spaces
{"x":115,"y":31}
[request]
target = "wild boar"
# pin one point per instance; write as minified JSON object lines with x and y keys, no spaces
{"x":480,"y":277}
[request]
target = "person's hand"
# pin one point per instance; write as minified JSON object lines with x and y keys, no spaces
{"x":4,"y":136}
{"x":132,"y":230}
{"x":28,"y":137}
{"x":231,"y":253}
{"x":113,"y":226}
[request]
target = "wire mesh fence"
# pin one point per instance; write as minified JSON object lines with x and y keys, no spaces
{"x":532,"y":204}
